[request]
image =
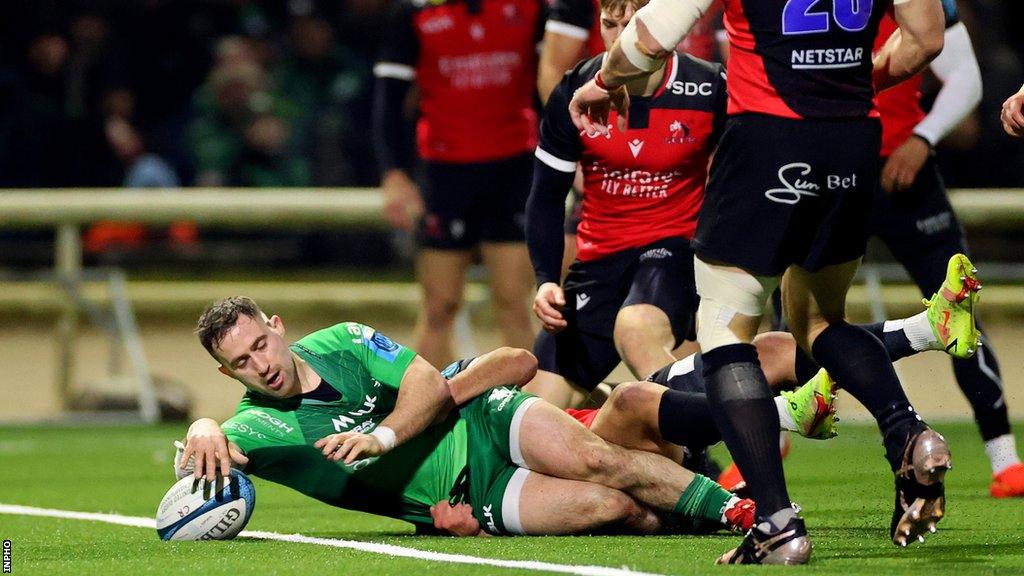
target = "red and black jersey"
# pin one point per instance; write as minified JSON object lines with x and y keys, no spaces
{"x":581,"y":19}
{"x":647,"y":183}
{"x":802,"y":58}
{"x":475,"y":62}
{"x":900,"y":106}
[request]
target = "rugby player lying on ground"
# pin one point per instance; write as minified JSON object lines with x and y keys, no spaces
{"x":355,"y":420}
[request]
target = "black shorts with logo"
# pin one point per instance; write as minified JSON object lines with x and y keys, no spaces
{"x":786,"y":191}
{"x":467,"y":204}
{"x":660,"y":274}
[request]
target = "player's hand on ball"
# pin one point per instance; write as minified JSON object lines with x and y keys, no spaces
{"x":547,"y":305}
{"x":904,"y":164}
{"x":456,"y":520}
{"x":209,"y":448}
{"x":1012,"y":115}
{"x":350,"y":446}
{"x":591,"y":106}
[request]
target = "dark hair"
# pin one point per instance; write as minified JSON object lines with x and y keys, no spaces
{"x":618,"y":7}
{"x":220,"y":316}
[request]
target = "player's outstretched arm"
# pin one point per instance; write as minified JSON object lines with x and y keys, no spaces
{"x":207,"y":445}
{"x":918,"y":40}
{"x":423,"y":398}
{"x":1012,"y":115}
{"x":505,"y":366}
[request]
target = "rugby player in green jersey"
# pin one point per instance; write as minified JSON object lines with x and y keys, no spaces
{"x":349,"y":417}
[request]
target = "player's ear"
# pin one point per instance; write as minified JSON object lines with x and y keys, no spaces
{"x":276,"y":324}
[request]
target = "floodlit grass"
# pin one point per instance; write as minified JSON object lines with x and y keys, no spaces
{"x":843,"y":485}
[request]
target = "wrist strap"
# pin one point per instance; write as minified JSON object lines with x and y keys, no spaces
{"x":386,"y":437}
{"x":600,"y":82}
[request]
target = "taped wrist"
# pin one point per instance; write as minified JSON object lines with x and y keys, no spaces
{"x":386,"y":437}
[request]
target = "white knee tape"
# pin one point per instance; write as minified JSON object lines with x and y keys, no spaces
{"x":724,"y":292}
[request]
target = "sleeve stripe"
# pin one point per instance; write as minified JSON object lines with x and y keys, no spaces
{"x":396,"y":71}
{"x":566,"y":30}
{"x":555,"y":162}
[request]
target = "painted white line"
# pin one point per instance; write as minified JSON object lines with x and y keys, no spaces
{"x":371,"y":547}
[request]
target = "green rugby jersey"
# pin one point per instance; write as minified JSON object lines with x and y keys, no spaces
{"x":365,"y":367}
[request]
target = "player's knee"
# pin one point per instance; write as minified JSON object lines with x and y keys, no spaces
{"x":728,"y":295}
{"x":597,"y":461}
{"x":439,"y":312}
{"x":776,"y":351}
{"x":613,"y":507}
{"x":637,"y":325}
{"x":631,"y":397}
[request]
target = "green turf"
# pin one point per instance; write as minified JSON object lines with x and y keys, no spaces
{"x":843,"y":485}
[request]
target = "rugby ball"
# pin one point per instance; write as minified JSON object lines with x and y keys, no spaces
{"x":195,"y":510}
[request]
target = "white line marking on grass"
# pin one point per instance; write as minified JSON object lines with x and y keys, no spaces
{"x":371,"y":547}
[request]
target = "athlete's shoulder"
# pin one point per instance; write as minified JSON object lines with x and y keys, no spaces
{"x":584,"y":71}
{"x":698,"y":67}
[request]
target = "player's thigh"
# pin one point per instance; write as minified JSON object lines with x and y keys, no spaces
{"x":630,"y":419}
{"x":510,"y":271}
{"x":812,"y":300}
{"x":552,"y":442}
{"x":552,"y":506}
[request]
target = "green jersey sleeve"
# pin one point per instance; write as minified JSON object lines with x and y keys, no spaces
{"x":258,"y":426}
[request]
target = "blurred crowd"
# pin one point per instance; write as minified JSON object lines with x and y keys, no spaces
{"x":262,"y":93}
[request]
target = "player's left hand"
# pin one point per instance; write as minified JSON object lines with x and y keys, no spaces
{"x":456,"y":520}
{"x":1012,"y":115}
{"x":350,"y":446}
{"x":902,"y":167}
{"x":591,"y":106}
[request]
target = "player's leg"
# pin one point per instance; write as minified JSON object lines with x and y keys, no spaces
{"x":657,"y":313}
{"x":630,"y":418}
{"x":815,"y":310}
{"x":511,"y":283}
{"x":552,"y":506}
{"x":441,"y":275}
{"x":501,"y":214}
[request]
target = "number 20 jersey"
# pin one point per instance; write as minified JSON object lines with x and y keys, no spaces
{"x":802,"y":58}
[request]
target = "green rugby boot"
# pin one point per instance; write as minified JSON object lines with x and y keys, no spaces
{"x":951,"y":309}
{"x":812,"y":407}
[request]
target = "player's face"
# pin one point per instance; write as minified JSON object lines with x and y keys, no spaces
{"x":254,"y":353}
{"x":613,"y":24}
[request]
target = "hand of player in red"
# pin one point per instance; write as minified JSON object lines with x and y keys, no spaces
{"x":456,"y":520}
{"x":402,"y":202}
{"x":1012,"y":115}
{"x":591,"y":106}
{"x":904,"y":164}
{"x":547,"y":305}
{"x":351,"y":446}
{"x":208,"y":445}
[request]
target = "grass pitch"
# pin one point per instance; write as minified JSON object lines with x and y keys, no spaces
{"x":843,"y":485}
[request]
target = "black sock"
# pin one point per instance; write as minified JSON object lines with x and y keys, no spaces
{"x":895,"y":341}
{"x":979,"y":379}
{"x":804,"y":366}
{"x":744,"y":412}
{"x":859,"y":364}
{"x":685,"y":418}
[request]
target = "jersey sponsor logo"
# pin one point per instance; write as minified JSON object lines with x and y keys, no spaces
{"x":368,"y":405}
{"x":489,"y":514}
{"x":679,"y":133}
{"x":681,"y":88}
{"x":271,"y":421}
{"x":244,"y":429}
{"x":635,"y":146}
{"x":437,"y":24}
{"x":481,"y":69}
{"x":342,"y":422}
{"x":637,"y":184}
{"x":581,"y":301}
{"x":826,"y":58}
{"x":476,"y":31}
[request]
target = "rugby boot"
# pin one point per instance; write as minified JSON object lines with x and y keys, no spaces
{"x":1008,"y":483}
{"x":812,"y":407}
{"x":920,"y":491}
{"x":788,"y":545}
{"x":951,"y":309}
{"x":740,"y":516}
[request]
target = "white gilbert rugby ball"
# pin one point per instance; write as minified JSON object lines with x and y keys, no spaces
{"x":190,"y":512}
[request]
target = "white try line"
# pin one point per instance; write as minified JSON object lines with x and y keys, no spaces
{"x":373,"y":548}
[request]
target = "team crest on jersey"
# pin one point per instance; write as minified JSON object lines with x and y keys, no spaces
{"x":679,"y":133}
{"x":502,"y":396}
{"x":381,"y":345}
